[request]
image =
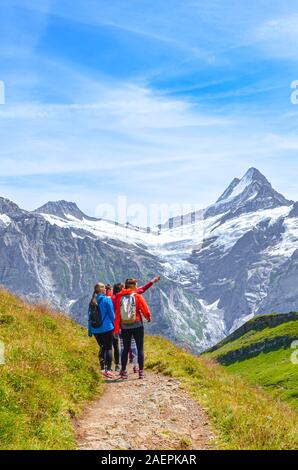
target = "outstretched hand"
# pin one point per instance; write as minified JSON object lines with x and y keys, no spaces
{"x":156,"y":279}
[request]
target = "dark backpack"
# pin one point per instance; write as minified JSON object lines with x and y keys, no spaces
{"x":95,"y":315}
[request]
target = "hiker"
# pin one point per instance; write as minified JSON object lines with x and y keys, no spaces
{"x":133,"y":352}
{"x":109,"y":290}
{"x":117,"y":289}
{"x":130,"y":308}
{"x":101,"y":321}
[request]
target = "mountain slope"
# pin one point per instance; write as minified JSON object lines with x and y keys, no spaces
{"x":261,"y":351}
{"x":50,"y":372}
{"x":221,"y":266}
{"x":242,"y":416}
{"x":46,"y":256}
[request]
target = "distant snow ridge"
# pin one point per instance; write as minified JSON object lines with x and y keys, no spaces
{"x":225,"y":264}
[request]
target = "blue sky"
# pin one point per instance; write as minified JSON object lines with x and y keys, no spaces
{"x":159,"y":101}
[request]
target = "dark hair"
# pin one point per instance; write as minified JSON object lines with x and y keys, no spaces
{"x":118,"y":288}
{"x":109,"y":287}
{"x":96,"y":291}
{"x":130,"y":282}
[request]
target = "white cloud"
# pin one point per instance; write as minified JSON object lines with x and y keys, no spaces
{"x":279,"y":36}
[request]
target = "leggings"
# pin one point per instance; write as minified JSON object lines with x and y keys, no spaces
{"x":116,"y":349}
{"x":105,"y":343}
{"x":138,"y":335}
{"x":133,"y":352}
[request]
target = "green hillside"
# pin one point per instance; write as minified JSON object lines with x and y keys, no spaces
{"x":243,"y":416}
{"x":50,"y":371}
{"x":261,"y":352}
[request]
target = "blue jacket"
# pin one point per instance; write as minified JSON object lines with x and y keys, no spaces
{"x":108,"y":315}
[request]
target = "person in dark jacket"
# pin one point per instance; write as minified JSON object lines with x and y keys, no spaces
{"x":104,"y":333}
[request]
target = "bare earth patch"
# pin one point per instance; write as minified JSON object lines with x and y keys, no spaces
{"x":150,"y":414}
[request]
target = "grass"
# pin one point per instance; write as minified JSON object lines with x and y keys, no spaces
{"x":272,"y":369}
{"x":289,"y":329}
{"x":50,"y":372}
{"x":242,"y":416}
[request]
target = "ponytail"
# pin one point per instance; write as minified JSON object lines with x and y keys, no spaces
{"x":93,"y":300}
{"x":97,"y":290}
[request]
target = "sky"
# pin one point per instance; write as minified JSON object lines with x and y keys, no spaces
{"x":161,"y":102}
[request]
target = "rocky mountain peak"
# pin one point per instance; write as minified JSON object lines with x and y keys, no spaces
{"x":63,"y":209}
{"x":250,"y":193}
{"x":9,"y":208}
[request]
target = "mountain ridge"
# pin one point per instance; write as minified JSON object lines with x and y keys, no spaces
{"x":261,"y":351}
{"x":217,"y":271}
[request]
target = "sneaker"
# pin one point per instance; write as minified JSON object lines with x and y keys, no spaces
{"x":135,"y":369}
{"x":141,"y":374}
{"x":109,"y":374}
{"x":123,"y":374}
{"x":117,"y":368}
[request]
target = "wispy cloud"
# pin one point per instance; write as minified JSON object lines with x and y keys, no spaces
{"x":278,"y":36}
{"x":157,"y":101}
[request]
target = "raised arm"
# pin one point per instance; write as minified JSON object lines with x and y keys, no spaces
{"x":142,"y":289}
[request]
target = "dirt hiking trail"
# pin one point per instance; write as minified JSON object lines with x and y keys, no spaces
{"x":150,"y":414}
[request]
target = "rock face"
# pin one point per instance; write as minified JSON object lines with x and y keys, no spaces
{"x":63,"y":209}
{"x":219,"y":267}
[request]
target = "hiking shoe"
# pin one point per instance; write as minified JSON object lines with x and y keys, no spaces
{"x":141,"y":374}
{"x":123,"y":374}
{"x":135,"y":369}
{"x":117,"y":368}
{"x":109,"y":374}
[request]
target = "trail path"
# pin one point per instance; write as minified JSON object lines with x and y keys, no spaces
{"x":150,"y":414}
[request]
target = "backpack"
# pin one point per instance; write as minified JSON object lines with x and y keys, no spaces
{"x":128,"y":309}
{"x":95,"y":315}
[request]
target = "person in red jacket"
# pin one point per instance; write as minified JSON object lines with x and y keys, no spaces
{"x":117,"y":289}
{"x":131,"y":307}
{"x":143,"y":289}
{"x":109,"y":290}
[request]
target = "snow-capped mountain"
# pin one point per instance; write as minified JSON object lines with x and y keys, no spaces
{"x":219,"y":266}
{"x":253,"y":192}
{"x":63,"y":209}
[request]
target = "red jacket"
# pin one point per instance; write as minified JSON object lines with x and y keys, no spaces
{"x":141,"y":306}
{"x":140,"y":290}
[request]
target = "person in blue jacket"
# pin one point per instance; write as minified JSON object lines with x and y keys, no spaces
{"x":103,"y":334}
